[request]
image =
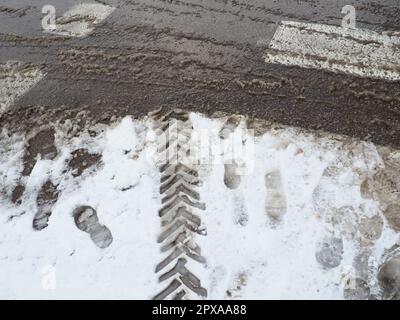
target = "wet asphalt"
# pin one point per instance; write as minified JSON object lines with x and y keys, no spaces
{"x":202,"y":55}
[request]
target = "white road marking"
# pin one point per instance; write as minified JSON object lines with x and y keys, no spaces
{"x":359,"y":52}
{"x":81,"y":20}
{"x":15,"y":80}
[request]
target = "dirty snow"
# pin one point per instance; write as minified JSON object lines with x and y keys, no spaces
{"x":248,"y":255}
{"x":15,"y":80}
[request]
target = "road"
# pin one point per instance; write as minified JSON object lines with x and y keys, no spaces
{"x":200,"y":55}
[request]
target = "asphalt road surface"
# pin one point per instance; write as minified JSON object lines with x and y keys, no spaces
{"x":203,"y":55}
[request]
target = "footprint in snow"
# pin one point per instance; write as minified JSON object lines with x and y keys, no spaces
{"x":86,"y":220}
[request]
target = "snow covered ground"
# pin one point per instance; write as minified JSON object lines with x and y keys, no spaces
{"x":15,"y":80}
{"x":299,"y":215}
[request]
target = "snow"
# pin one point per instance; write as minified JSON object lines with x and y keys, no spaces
{"x":254,"y":259}
{"x":15,"y":80}
{"x":78,"y":264}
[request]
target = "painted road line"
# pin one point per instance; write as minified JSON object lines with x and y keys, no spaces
{"x":16,"y":79}
{"x":81,"y":19}
{"x":359,"y":52}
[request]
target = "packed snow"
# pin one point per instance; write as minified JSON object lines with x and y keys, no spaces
{"x":304,"y":249}
{"x":15,"y":80}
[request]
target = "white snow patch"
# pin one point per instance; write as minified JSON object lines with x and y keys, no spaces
{"x":81,"y":19}
{"x":82,"y":270}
